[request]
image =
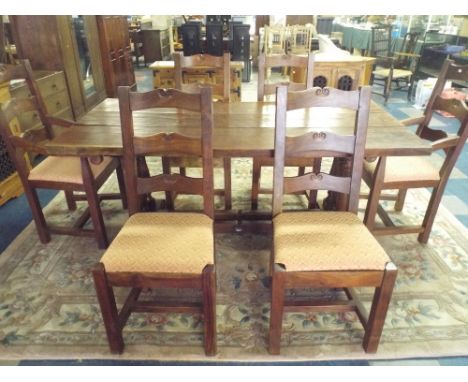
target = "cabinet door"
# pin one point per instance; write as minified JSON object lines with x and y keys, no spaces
{"x":115,"y":52}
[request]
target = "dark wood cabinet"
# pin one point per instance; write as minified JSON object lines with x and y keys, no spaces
{"x":116,"y":53}
{"x":156,"y":45}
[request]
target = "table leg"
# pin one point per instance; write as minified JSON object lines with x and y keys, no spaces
{"x":336,"y":201}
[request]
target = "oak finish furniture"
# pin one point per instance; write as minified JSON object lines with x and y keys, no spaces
{"x":220,"y":86}
{"x":55,"y":172}
{"x":414,"y":172}
{"x":10,"y":182}
{"x":162,"y":250}
{"x":164,"y":76}
{"x":267,"y":88}
{"x":343,"y":73}
{"x":325,"y":249}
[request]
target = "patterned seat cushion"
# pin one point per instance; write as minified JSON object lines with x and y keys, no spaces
{"x":406,"y":169}
{"x":162,"y":243}
{"x":65,"y":169}
{"x":325,"y":241}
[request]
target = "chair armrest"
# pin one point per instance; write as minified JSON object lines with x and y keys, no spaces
{"x":27,"y":145}
{"x":412,"y":121}
{"x":445,"y":143}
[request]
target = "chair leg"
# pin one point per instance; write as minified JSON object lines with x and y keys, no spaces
{"x":256,"y":171}
{"x":379,"y":309}
{"x":400,"y":200}
{"x":109,"y":312}
{"x":209,"y":309}
{"x":94,"y":207}
{"x":387,"y":88}
{"x":276,"y":314}
{"x":313,"y":204}
{"x":431,"y":213}
{"x":120,"y":180}
{"x":38,"y":215}
{"x":71,"y":202}
{"x":166,"y":164}
{"x":374,"y":194}
{"x":227,"y":183}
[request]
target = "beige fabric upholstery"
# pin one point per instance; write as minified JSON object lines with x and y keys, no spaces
{"x":193,"y":162}
{"x":406,"y":169}
{"x":65,"y":169}
{"x":162,"y":243}
{"x":325,"y":241}
{"x":397,"y":73}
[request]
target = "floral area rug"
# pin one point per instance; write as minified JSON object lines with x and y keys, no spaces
{"x":48,"y":307}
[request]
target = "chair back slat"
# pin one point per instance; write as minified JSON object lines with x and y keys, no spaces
{"x":220,"y":90}
{"x":318,"y":144}
{"x":167,"y":144}
{"x":323,"y":97}
{"x":266,"y":62}
{"x":138,"y":180}
{"x":320,"y":181}
{"x":160,"y":98}
{"x":323,"y":144}
{"x":170,"y":182}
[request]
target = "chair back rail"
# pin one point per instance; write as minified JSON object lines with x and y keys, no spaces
{"x":450,"y":72}
{"x":316,"y":144}
{"x":220,"y":90}
{"x":283,"y":60}
{"x":137,"y":176}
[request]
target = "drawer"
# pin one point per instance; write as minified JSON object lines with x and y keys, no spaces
{"x":57,"y":102}
{"x":52,"y":84}
{"x":29,"y":120}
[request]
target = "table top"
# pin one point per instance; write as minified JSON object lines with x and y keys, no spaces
{"x":242,"y":129}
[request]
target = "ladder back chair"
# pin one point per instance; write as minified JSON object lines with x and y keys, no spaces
{"x":70,"y":174}
{"x":402,"y":173}
{"x":267,"y":88}
{"x":162,"y":249}
{"x":325,"y":249}
{"x":219,"y":80}
{"x":397,"y":67}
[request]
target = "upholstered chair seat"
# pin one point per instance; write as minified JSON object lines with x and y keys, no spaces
{"x":152,"y":234}
{"x":65,"y":169}
{"x":325,"y":241}
{"x":406,"y":169}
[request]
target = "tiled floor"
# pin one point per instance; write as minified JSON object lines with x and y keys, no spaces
{"x":455,"y":199}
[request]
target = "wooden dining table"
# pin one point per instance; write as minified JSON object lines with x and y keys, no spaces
{"x":243,"y":129}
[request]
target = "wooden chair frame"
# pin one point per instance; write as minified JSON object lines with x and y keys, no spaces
{"x":325,"y":144}
{"x":406,"y":60}
{"x":222,"y":63}
{"x":452,"y":146}
{"x":138,"y":185}
{"x":32,"y":141}
{"x":264,"y":63}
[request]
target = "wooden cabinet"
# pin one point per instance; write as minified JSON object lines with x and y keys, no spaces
{"x":156,"y":45}
{"x":53,"y":88}
{"x":116,"y":53}
{"x":346,"y":74}
{"x":93,"y":51}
